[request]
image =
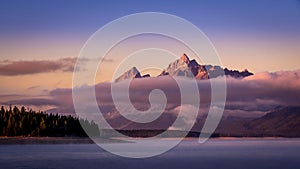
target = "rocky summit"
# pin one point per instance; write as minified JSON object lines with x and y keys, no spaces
{"x":188,"y":68}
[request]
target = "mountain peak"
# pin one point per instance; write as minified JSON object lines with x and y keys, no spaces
{"x":134,"y":70}
{"x":130,"y":74}
{"x":185,"y":58}
{"x":185,"y":67}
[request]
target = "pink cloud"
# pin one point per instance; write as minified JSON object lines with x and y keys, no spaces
{"x":253,"y":95}
{"x":14,"y":68}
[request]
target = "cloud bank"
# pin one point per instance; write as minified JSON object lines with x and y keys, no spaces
{"x":251,"y":96}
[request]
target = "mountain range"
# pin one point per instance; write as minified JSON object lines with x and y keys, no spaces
{"x":279,"y":122}
{"x":187,"y":68}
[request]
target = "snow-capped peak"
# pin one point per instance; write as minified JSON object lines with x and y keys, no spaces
{"x":130,"y":74}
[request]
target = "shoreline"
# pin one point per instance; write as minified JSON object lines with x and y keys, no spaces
{"x":44,"y":140}
{"x":54,"y":140}
{"x":86,"y":140}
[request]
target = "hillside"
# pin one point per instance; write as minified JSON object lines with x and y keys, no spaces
{"x":282,"y":121}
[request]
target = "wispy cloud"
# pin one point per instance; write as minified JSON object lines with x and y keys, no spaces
{"x":26,"y":67}
{"x":33,"y":87}
{"x":107,"y":60}
{"x":34,"y":102}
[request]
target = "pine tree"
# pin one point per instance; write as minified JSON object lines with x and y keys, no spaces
{"x":19,"y":122}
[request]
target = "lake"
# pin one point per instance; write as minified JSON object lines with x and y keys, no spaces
{"x":242,"y":153}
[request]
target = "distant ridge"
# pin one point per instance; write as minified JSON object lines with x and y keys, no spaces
{"x":188,"y":68}
{"x":279,"y":122}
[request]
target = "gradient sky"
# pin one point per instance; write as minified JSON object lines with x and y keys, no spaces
{"x":260,"y":35}
{"x":246,"y":33}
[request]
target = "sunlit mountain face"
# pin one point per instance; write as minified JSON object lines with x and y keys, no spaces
{"x":184,"y":67}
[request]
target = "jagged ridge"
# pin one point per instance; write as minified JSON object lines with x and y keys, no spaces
{"x":188,"y":68}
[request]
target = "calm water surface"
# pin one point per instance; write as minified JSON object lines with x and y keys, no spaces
{"x":217,"y":153}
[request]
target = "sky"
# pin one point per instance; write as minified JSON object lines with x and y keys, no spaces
{"x":40,"y":40}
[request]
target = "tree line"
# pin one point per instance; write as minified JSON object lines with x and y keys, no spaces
{"x":29,"y":123}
